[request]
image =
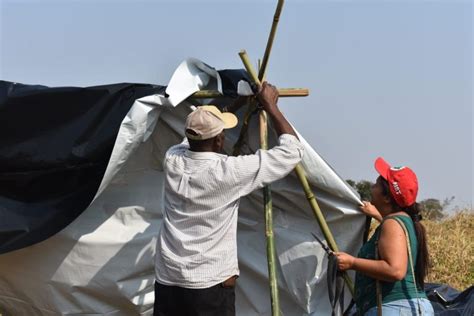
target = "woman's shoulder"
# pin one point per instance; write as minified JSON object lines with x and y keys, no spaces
{"x":405,"y":218}
{"x":390,"y":225}
{"x":398,"y":223}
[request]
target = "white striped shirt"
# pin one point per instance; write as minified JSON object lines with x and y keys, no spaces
{"x":197,"y":243}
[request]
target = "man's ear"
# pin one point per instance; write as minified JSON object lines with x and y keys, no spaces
{"x":219,"y":141}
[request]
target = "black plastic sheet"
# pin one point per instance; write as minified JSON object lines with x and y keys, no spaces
{"x":446,"y":301}
{"x":55,"y":144}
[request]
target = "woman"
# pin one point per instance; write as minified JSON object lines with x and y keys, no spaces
{"x":384,"y":259}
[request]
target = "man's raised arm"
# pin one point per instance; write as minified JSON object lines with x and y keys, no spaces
{"x":268,"y":98}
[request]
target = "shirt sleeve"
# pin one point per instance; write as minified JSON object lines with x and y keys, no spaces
{"x":252,"y":172}
{"x":176,"y":149}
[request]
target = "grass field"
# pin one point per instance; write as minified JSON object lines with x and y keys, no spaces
{"x":451,"y":246}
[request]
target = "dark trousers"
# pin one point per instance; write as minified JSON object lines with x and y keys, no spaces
{"x":218,"y":300}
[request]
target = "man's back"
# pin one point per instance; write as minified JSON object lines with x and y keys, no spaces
{"x":202,"y":192}
{"x":196,"y":255}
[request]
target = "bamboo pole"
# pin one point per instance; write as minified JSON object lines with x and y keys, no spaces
{"x":248,"y":66}
{"x":299,"y":169}
{"x":283,"y":92}
{"x":267,"y":200}
{"x":309,"y":194}
{"x":268,"y":203}
{"x":320,"y":218}
{"x":316,"y":210}
{"x":271,"y":36}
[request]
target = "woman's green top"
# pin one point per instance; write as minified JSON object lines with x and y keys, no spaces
{"x":365,"y":293}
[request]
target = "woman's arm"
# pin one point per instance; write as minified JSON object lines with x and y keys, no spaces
{"x":392,"y":265}
{"x":370,"y":210}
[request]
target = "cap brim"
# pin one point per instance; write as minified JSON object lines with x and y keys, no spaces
{"x":229,"y":119}
{"x":382,"y":167}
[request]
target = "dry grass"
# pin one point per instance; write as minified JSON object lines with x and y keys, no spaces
{"x":451,"y":244}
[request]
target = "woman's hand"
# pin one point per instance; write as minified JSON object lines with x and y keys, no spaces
{"x":344,"y":261}
{"x":370,"y":210}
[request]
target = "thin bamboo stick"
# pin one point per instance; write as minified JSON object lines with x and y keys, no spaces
{"x":283,"y":92}
{"x":267,"y":200}
{"x":271,"y":36}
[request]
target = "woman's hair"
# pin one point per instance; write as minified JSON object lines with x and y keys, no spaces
{"x":422,"y":259}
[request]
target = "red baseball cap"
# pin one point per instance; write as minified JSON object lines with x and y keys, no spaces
{"x":402,"y":182}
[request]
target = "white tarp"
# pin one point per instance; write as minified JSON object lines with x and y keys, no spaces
{"x":102,"y":263}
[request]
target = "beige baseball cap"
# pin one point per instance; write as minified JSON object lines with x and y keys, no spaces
{"x":208,"y":121}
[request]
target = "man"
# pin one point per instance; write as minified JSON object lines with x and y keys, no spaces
{"x":196,"y":257}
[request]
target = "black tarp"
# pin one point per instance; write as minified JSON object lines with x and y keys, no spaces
{"x":446,"y":301}
{"x":55,"y":144}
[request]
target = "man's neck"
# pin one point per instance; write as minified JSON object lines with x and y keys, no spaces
{"x":203,"y":150}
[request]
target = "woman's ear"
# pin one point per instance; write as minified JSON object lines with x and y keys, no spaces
{"x":387,"y":199}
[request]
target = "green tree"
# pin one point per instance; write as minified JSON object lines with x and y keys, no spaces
{"x":362,"y":187}
{"x":433,"y":209}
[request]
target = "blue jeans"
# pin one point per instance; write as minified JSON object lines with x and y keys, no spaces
{"x":404,"y":308}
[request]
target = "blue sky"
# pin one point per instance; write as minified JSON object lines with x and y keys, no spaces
{"x":387,"y":78}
